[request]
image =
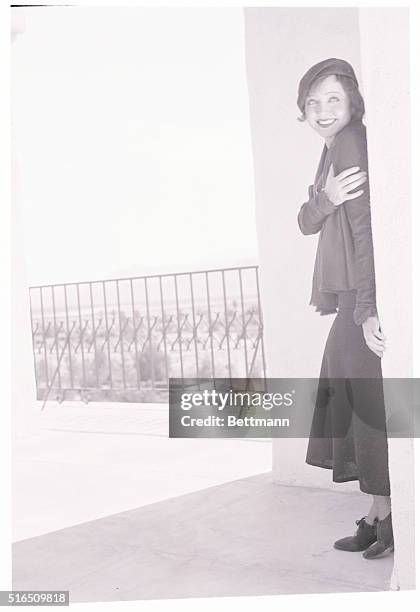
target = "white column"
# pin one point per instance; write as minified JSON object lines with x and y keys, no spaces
{"x":375,"y":41}
{"x":281,"y":44}
{"x":384,"y":35}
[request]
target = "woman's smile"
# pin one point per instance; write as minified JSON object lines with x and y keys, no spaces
{"x":326,"y":122}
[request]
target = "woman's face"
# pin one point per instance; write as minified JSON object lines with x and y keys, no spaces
{"x":327,"y":108}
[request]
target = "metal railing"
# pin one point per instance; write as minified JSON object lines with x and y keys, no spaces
{"x":122,"y":339}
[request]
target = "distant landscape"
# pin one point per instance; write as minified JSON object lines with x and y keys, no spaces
{"x":123,"y":349}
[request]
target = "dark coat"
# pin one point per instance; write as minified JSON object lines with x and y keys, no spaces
{"x":344,"y":258}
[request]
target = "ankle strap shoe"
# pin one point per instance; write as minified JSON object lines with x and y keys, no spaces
{"x":364,"y":537}
{"x":385,"y":540}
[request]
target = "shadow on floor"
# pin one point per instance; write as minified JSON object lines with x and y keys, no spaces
{"x":246,"y":537}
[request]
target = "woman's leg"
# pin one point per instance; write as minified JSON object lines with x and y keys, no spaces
{"x":380,"y":508}
{"x":373,"y":512}
{"x":383,"y":506}
{"x":384,"y":533}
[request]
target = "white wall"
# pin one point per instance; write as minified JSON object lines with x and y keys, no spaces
{"x":281,"y":44}
{"x":385,"y":70}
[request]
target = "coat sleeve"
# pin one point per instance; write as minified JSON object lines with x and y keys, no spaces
{"x":313,"y":213}
{"x":352,"y":151}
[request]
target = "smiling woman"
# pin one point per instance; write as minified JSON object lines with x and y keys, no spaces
{"x":344,"y":279}
{"x":327,"y":108}
{"x":341,"y":87}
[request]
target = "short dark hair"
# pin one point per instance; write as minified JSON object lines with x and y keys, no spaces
{"x":357,"y":105}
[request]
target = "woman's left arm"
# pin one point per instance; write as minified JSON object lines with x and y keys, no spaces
{"x":352,"y":152}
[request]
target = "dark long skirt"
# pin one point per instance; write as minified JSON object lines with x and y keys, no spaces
{"x":348,"y":433}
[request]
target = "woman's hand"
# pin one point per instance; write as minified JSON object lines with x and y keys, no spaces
{"x":337,"y":187}
{"x":374,"y":338}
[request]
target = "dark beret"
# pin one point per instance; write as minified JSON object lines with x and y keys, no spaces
{"x":325,"y":68}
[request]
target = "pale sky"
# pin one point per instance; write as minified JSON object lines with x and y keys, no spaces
{"x":133,"y":139}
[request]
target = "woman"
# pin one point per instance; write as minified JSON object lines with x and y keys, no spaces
{"x":348,"y":433}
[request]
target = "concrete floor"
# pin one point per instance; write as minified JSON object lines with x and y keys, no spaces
{"x":247,"y":537}
{"x":78,"y":463}
{"x":207,"y":521}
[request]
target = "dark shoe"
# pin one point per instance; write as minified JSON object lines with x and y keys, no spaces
{"x":361,"y":540}
{"x":385,"y":540}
